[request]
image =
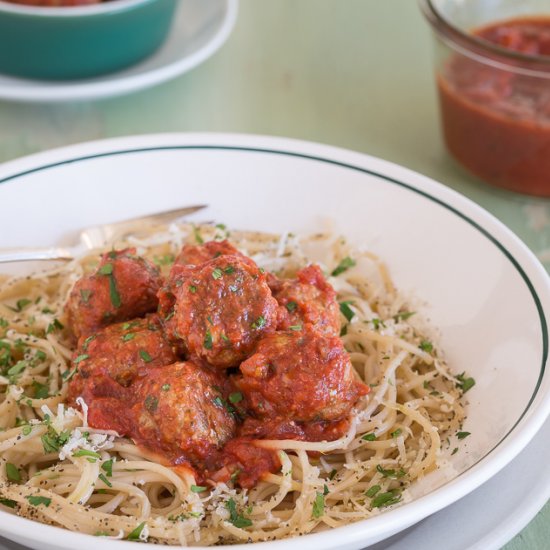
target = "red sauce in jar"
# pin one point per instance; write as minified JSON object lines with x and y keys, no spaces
{"x":496,"y":122}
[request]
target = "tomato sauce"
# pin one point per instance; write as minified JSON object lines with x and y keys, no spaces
{"x":201,"y":393}
{"x":496,"y":122}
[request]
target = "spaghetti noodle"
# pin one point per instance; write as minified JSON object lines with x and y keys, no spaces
{"x":57,"y":469}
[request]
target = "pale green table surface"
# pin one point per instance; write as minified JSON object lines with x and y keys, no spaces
{"x":352,"y":73}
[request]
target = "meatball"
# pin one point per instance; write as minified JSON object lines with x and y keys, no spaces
{"x":181,"y":409}
{"x":308,"y":301}
{"x":223,"y":308}
{"x":123,"y":287}
{"x":190,"y":255}
{"x":119,"y":353}
{"x":300,"y":375}
{"x":199,"y":254}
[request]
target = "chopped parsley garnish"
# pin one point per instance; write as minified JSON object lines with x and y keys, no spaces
{"x":333,"y":472}
{"x":26,"y":430}
{"x":291,"y":306}
{"x":105,"y":480}
{"x":106,"y":269}
{"x":85,"y":294}
{"x":235,"y":397}
{"x":54,"y":326}
{"x":40,"y":355}
{"x":390,"y":473}
{"x":3,"y":323}
{"x":8,"y":502}
{"x":235,"y":518}
{"x":107,"y":467}
{"x":369,"y":437}
{"x":151,"y":403}
{"x":68,"y":374}
{"x":325,"y":489}
{"x":224,"y":337}
{"x":167,"y":259}
{"x":377,"y":323}
{"x":318,"y":506}
{"x":207,"y":343}
{"x":16,"y":370}
{"x":22,"y":304}
{"x":229,"y":269}
{"x":386,"y":499}
{"x":170,"y":315}
{"x":52,"y":441}
{"x":344,"y":330}
{"x":295,"y":327}
{"x":218,"y":401}
{"x":396,"y":433}
{"x":197,"y":488}
{"x":217,"y":273}
{"x":235,"y":474}
{"x":198,"y":237}
{"x":85,"y":452}
{"x":465,"y":383}
{"x":347,"y":312}
{"x":129,"y":336}
{"x":426,"y":346}
{"x":115,"y":296}
{"x":145,"y":356}
{"x":12,"y":472}
{"x":463,"y":435}
{"x":41,"y":391}
{"x":88,"y":340}
{"x":81,"y":358}
{"x":165,"y":387}
{"x":136,"y":533}
{"x":192,"y":289}
{"x":37,"y":500}
{"x":455,"y":450}
{"x":373,"y":490}
{"x":344,"y":265}
{"x":258,"y":323}
{"x":403,"y":316}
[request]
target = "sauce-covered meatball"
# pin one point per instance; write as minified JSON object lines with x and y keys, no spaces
{"x":308,"y":301}
{"x":223,"y":308}
{"x":123,"y":287}
{"x":301,"y":375}
{"x":180,"y":409}
{"x":119,"y":352}
{"x":198,"y":254}
{"x":190,"y":256}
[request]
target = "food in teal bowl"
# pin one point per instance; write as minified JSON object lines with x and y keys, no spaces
{"x":60,"y":42}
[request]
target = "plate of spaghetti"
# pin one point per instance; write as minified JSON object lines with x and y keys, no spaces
{"x":335,"y":348}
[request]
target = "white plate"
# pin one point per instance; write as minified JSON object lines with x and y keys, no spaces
{"x":200,"y":27}
{"x":484,"y":289}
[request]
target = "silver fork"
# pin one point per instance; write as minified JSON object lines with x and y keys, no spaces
{"x":91,"y":237}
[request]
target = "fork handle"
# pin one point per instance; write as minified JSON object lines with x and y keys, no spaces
{"x":34,"y":254}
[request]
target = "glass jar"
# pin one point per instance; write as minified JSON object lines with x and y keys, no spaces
{"x":494,"y":88}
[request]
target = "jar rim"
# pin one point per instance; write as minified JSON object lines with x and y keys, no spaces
{"x":481,"y":49}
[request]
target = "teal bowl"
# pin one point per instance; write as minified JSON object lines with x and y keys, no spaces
{"x":66,"y":43}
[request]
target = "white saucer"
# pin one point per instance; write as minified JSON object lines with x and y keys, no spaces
{"x":198,"y":30}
